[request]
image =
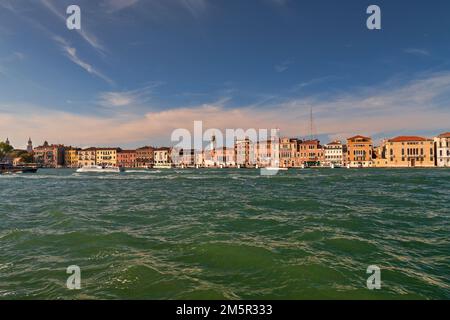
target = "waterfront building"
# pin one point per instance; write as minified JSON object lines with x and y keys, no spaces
{"x":145,"y":157}
{"x":186,"y":158}
{"x":267,"y":153}
{"x":359,"y":151}
{"x":127,"y":158}
{"x":49,"y":156}
{"x":379,"y":155}
{"x":162,"y":157}
{"x":442,"y":146}
{"x":245,"y":152}
{"x":288,"y":152}
{"x":224,"y":157}
{"x":87,"y":157}
{"x":334,"y":154}
{"x":309,"y":153}
{"x":106,"y":156}
{"x":30,"y":146}
{"x":199,"y":158}
{"x":71,"y":157}
{"x":209,"y":153}
{"x":410,"y":151}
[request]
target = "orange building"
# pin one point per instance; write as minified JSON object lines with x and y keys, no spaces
{"x":145,"y":157}
{"x":288,"y":152}
{"x":410,"y":151}
{"x":359,"y":151}
{"x":309,"y":153}
{"x":127,"y":158}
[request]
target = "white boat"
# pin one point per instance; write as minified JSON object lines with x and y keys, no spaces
{"x":270,"y":171}
{"x":106,"y":169}
{"x":162,"y":166}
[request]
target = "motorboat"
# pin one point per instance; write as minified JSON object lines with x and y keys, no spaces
{"x":105,"y":169}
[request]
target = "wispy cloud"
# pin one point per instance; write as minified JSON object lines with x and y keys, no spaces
{"x":416,"y":51}
{"x":85,"y":35}
{"x":412,"y":106}
{"x":195,"y":7}
{"x":158,"y":10}
{"x":117,"y":5}
{"x":312,"y":82}
{"x":71,"y":53}
{"x":283,"y":66}
{"x":135,"y":97}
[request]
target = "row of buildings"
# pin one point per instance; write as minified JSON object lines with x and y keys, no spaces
{"x":357,"y":151}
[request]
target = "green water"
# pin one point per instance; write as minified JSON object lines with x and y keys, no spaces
{"x":226,"y":234}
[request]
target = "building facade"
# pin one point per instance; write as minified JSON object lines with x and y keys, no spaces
{"x":410,"y":151}
{"x":106,"y":156}
{"x":359,"y":151}
{"x":162,"y":157}
{"x":49,"y":156}
{"x":288,"y":153}
{"x":245,"y":153}
{"x":184,"y":158}
{"x":309,"y":153}
{"x":267,"y":153}
{"x":87,"y":157}
{"x":126,"y":159}
{"x":442,"y":146}
{"x":71,"y":157}
{"x":334,"y":154}
{"x":145,"y":157}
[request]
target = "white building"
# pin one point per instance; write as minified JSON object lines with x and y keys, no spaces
{"x":442,"y":143}
{"x":334,"y":154}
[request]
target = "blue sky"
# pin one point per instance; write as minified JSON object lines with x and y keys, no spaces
{"x":139,"y":69}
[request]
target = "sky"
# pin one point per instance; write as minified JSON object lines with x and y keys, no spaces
{"x":138,"y":69}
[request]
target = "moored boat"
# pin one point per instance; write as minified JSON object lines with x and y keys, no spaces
{"x":8,"y":168}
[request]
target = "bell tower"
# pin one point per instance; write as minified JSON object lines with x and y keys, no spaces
{"x":30,"y":146}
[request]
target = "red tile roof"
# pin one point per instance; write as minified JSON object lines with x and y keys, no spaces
{"x":315,"y":141}
{"x":444,"y":135}
{"x":359,"y":137}
{"x":407,"y":138}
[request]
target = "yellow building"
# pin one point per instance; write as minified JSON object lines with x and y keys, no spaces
{"x":71,"y":157}
{"x":409,"y":151}
{"x":86,"y":157}
{"x":106,"y":156}
{"x":359,"y":151}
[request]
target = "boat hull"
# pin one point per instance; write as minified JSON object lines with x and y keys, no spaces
{"x":100,"y":170}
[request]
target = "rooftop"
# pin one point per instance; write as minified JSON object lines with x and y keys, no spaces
{"x":407,"y":138}
{"x":359,"y":137}
{"x":444,"y":135}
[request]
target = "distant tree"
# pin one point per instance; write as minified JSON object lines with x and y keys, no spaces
{"x":27,"y":158}
{"x":5,"y":149}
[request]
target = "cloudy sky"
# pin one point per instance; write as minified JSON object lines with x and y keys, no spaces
{"x":139,"y":69}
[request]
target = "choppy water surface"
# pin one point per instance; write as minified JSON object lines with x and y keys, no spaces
{"x":233,"y":234}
